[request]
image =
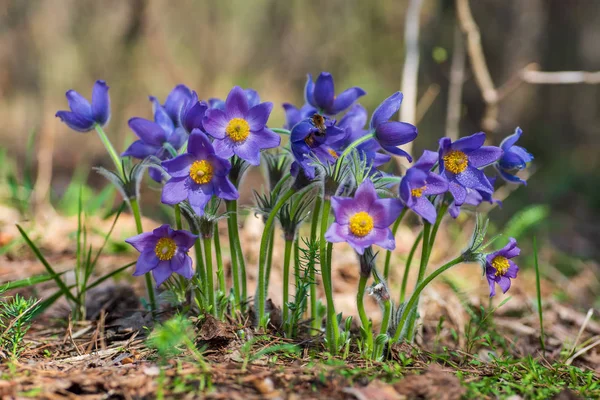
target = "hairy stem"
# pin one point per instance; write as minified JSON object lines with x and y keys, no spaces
{"x":409,"y":260}
{"x":364,"y":320}
{"x":316,"y":323}
{"x":110,"y":149}
{"x":332,"y":325}
{"x":388,"y":254}
{"x":286,"y":280}
{"x":237,"y":259}
{"x":209,"y":277}
{"x":135,"y":209}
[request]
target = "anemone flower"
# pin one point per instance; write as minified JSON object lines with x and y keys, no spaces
{"x":321,"y":94}
{"x":500,"y":269}
{"x":514,"y":158}
{"x":179,"y":96}
{"x":293,"y":114}
{"x":364,"y":220}
{"x":83,"y":115}
{"x":251,"y":95}
{"x":163,"y":251}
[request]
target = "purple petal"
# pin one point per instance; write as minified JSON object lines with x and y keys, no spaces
{"x":199,"y":145}
{"x":492,"y":284}
{"x":425,"y":209}
{"x":258,"y":116}
{"x":509,"y":141}
{"x":175,"y":191}
{"x":474,"y":179}
{"x":249,"y":151}
{"x":365,"y":195}
{"x":150,"y":132}
{"x":236,"y":104}
{"x":398,"y":152}
{"x":200,"y":196}
{"x":395,"y":133}
{"x":324,"y":92}
{"x":345,"y":99}
{"x":176,"y":99}
{"x":510,"y":250}
{"x":223,"y":147}
{"x":140,"y":149}
{"x":161,"y":117}
{"x":220,"y":165}
{"x":79,"y":104}
{"x":427,"y":160}
{"x":344,"y":208}
{"x":504,"y":283}
{"x":162,"y":272}
{"x":309,"y":90}
{"x":511,"y":178}
{"x":265,"y":139}
{"x":76,"y":121}
{"x":458,"y":192}
{"x":177,"y":138}
{"x":469,"y":143}
{"x":225,"y":189}
{"x":435,"y":184}
{"x":179,"y":167}
{"x":385,"y":211}
{"x":522,"y":153}
{"x":512,"y":270}
{"x":386,"y":110}
{"x":181,"y":264}
{"x":215,"y":122}
{"x":156,"y":174}
{"x":143,"y":241}
{"x":100,"y":103}
{"x":336,"y":233}
{"x":192,"y":119}
{"x":163,"y":231}
{"x":485,"y":155}
{"x":511,"y":160}
{"x":146,"y":262}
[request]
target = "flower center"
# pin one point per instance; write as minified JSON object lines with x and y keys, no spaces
{"x":238,"y":129}
{"x":333,"y":153}
{"x":361,"y":224}
{"x":165,"y":248}
{"x":201,"y":172}
{"x":501,"y":264}
{"x":456,"y":161}
{"x":418,"y":192}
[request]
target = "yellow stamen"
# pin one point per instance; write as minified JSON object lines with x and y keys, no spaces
{"x":501,"y":264}
{"x":238,"y":129}
{"x":165,"y":248}
{"x":456,"y":161}
{"x":201,"y":172}
{"x":361,"y":224}
{"x":418,"y":192}
{"x":333,"y":153}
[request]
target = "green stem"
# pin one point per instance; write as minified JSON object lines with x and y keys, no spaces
{"x":261,"y":293}
{"x":425,"y":250}
{"x":178,"y":217}
{"x":412,"y":302}
{"x":200,"y":269}
{"x":209,"y":277}
{"x":364,"y":320}
{"x":280,"y":131}
{"x":269,"y":260}
{"x":332,"y":325}
{"x":220,"y":269}
{"x":110,"y":149}
{"x":388,"y":255}
{"x":135,"y":209}
{"x":286,"y":280}
{"x":234,"y":243}
{"x":409,"y":260}
{"x":316,"y":324}
{"x":296,"y":264}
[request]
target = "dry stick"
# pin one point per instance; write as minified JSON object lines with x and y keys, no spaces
{"x":457,"y":78}
{"x":426,"y":101}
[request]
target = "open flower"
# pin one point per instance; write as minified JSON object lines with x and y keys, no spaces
{"x":515,"y":158}
{"x":198,"y":175}
{"x":155,"y":138}
{"x":474,"y":198}
{"x":163,"y":251}
{"x":460,"y":161}
{"x":293,"y":114}
{"x":364,"y":220}
{"x":179,"y":96}
{"x":83,"y":115}
{"x":418,"y":183}
{"x":239,"y":129}
{"x":321,"y":94}
{"x":251,"y":95}
{"x":391,"y":134}
{"x":315,"y":137}
{"x":500,"y":269}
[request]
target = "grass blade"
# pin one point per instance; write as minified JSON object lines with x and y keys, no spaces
{"x":539,"y":295}
{"x":110,"y":274}
{"x":34,"y":280}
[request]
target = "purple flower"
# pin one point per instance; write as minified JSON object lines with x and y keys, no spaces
{"x":251,"y":95}
{"x":198,"y":175}
{"x":239,"y":129}
{"x":418,"y":183}
{"x":321,"y":94}
{"x":163,"y":251}
{"x":460,"y":161}
{"x":364,"y":220}
{"x":315,"y":137}
{"x":391,"y":134}
{"x":515,"y":158}
{"x":179,"y":96}
{"x":155,"y":137}
{"x":474,"y":198}
{"x":500,"y":269}
{"x":293,"y":114}
{"x":192,"y":113}
{"x":83,"y":115}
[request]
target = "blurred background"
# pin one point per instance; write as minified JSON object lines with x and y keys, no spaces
{"x":143,"y":48}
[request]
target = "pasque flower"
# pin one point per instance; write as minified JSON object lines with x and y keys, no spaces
{"x":514,"y":158}
{"x":251,"y":95}
{"x":391,"y":134}
{"x":364,"y":220}
{"x":315,"y":137}
{"x":155,"y":138}
{"x":474,"y":198}
{"x":418,"y":183}
{"x":293,"y":114}
{"x":321,"y":94}
{"x":192,"y":113}
{"x":500,"y":269}
{"x":163,"y":251}
{"x":240,"y":129}
{"x":460,"y":161}
{"x":179,"y":96}
{"x":198,"y":175}
{"x":83,"y":115}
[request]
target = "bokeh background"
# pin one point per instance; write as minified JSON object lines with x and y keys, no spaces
{"x":143,"y":47}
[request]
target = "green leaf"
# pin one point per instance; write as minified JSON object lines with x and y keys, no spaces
{"x":34,"y":280}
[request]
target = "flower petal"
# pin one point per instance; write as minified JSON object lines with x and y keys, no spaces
{"x":512,"y":270}
{"x":199,"y":145}
{"x":504,"y":283}
{"x":179,"y":167}
{"x":394,"y":133}
{"x":76,"y":121}
{"x":200,"y":196}
{"x":458,"y":192}
{"x":385,"y":211}
{"x":484,"y":156}
{"x":215,"y":122}
{"x":435,"y":184}
{"x":161,"y":117}
{"x":386,"y":110}
{"x":469,"y":143}
{"x":365,"y":195}
{"x":258,"y":116}
{"x":181,"y":264}
{"x":265,"y":139}
{"x":225,"y":189}
{"x":474,"y":178}
{"x":236,"y":104}
{"x":426,"y":161}
{"x":324,"y":92}
{"x":309,"y":90}
{"x":509,"y":141}
{"x":146,"y":262}
{"x":162,"y":272}
{"x":79,"y":104}
{"x":176,"y":99}
{"x":143,"y":241}
{"x":175,"y":191}
{"x":425,"y":209}
{"x":150,"y":132}
{"x":345,"y":99}
{"x":100,"y":103}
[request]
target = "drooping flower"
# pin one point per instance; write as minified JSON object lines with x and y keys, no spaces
{"x":293,"y":114}
{"x":83,"y":115}
{"x":500,"y":269}
{"x":364,"y":220}
{"x":391,"y":134}
{"x":163,"y":251}
{"x":474,"y":198}
{"x":418,"y":183}
{"x":198,"y":175}
{"x":315,"y":137}
{"x":321,"y":94}
{"x":515,"y":158}
{"x":460,"y":161}
{"x":239,"y":129}
{"x":155,"y":138}
{"x":179,"y":96}
{"x":251,"y":95}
